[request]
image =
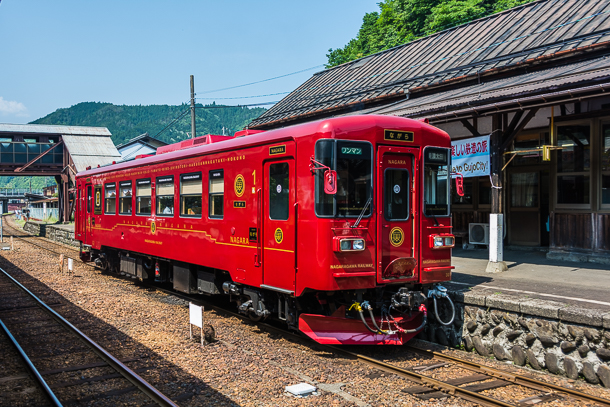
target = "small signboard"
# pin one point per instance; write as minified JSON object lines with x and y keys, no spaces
{"x":196,"y":318}
{"x":196,"y":315}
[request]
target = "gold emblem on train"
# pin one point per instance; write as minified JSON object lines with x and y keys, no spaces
{"x":240,"y":185}
{"x":153,"y":228}
{"x":279,"y":235}
{"x":397,"y":236}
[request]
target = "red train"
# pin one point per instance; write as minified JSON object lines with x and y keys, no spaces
{"x":340,"y":227}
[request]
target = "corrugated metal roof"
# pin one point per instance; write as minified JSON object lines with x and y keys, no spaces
{"x":501,"y":89}
{"x":528,"y":34}
{"x":90,"y":151}
{"x":54,"y":129}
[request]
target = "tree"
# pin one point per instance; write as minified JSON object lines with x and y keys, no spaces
{"x":401,"y":21}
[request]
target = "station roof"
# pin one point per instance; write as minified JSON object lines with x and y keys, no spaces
{"x":545,"y":85}
{"x":541,"y":32}
{"x":91,"y":151}
{"x":54,"y":129}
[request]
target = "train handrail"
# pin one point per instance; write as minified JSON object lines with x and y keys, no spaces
{"x":259,"y":232}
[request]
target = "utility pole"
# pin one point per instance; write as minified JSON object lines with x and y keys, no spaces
{"x":193,"y":135}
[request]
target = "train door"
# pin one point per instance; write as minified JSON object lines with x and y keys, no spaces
{"x":88,"y":213}
{"x":279,"y":225}
{"x":397,"y":252}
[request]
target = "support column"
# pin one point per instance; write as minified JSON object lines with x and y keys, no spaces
{"x":496,"y":218}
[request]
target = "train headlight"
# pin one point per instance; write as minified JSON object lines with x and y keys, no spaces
{"x":358,"y":244}
{"x":438,"y":241}
{"x":442,"y":241}
{"x":348,"y":245}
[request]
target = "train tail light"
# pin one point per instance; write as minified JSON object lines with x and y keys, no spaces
{"x":348,"y":245}
{"x":157,"y":272}
{"x":442,"y":241}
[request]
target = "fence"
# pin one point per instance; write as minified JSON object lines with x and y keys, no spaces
{"x":44,"y":213}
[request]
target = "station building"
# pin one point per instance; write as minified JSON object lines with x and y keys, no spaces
{"x":532,"y":85}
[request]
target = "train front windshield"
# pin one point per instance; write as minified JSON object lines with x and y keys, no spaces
{"x":353,"y":162}
{"x":436,"y":181}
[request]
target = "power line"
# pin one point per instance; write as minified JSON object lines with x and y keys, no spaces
{"x":245,"y":97}
{"x":180,"y":116}
{"x":234,"y":106}
{"x":264,"y":80}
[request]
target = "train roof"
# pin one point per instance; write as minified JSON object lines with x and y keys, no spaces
{"x":335,"y":126}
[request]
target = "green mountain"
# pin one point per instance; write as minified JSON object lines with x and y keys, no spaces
{"x":402,"y":21}
{"x":127,"y":122}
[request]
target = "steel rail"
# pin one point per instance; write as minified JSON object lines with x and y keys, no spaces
{"x":427,"y":380}
{"x":511,"y":377}
{"x":31,"y":366}
{"x":126,"y":372}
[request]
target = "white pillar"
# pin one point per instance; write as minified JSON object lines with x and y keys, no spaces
{"x":496,"y":245}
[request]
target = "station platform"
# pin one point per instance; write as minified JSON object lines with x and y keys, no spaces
{"x":531,"y":275}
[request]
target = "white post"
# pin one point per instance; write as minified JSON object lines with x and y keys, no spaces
{"x":496,"y":247}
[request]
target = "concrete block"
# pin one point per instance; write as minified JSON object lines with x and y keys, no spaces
{"x":541,"y":308}
{"x":583,"y":316}
{"x":606,"y":320}
{"x":474,"y":298}
{"x":456,"y":295}
{"x":503,"y":302}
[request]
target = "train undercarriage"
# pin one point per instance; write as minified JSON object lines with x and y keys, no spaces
{"x":389,"y":314}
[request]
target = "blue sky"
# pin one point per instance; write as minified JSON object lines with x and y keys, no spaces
{"x":55,"y":54}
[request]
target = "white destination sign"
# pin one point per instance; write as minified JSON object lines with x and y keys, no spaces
{"x":470,"y":157}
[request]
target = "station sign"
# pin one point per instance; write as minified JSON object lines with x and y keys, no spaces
{"x":470,"y":157}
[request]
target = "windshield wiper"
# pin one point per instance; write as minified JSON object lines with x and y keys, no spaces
{"x":355,"y":225}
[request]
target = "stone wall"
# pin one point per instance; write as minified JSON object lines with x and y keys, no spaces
{"x":61,"y":235}
{"x":34,"y":228}
{"x":52,"y":232}
{"x":565,"y":340}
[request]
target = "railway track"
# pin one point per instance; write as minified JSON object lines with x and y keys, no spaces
{"x":469,"y":381}
{"x":53,"y":247}
{"x":68,"y":365}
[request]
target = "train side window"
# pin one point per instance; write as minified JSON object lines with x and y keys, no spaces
{"x":217,"y":190}
{"x":143,"y":197}
{"x":190,"y":195}
{"x":278,"y":191}
{"x":110,"y":198}
{"x":165,"y":196}
{"x":396,"y":194}
{"x":125,"y":198}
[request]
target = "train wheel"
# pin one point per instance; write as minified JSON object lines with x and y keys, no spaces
{"x":254,"y":317}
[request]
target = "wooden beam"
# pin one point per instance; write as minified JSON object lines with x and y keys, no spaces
{"x":470,"y":128}
{"x":520,"y":127}
{"x":513,"y":124}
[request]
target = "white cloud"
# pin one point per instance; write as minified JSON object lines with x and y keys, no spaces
{"x":8,"y":107}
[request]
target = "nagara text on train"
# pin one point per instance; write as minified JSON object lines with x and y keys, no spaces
{"x":341,"y":228}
